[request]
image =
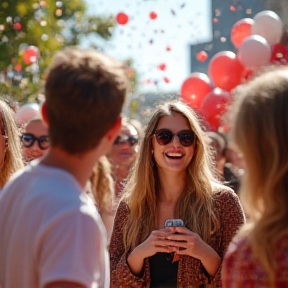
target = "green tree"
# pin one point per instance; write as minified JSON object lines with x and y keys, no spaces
{"x":48,"y":25}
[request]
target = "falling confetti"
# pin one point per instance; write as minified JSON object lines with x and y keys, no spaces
{"x":217,"y":12}
{"x":232,"y":8}
{"x":173,"y":12}
{"x":183,"y":5}
{"x":153,"y":15}
{"x":167,"y":80}
{"x":202,"y":56}
{"x":168,"y":48}
{"x":162,"y":67}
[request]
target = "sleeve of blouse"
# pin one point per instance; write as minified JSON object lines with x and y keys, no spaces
{"x":121,"y":275}
{"x":232,"y":217}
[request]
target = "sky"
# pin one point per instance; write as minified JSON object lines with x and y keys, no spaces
{"x":149,"y":43}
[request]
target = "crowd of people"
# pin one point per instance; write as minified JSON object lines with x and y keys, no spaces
{"x":90,"y":198}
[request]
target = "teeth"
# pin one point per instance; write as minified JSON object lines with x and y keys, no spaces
{"x":174,"y":154}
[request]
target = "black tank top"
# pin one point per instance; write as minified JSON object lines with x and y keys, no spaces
{"x":163,"y":272}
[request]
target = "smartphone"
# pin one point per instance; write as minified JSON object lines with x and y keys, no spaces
{"x":174,"y":223}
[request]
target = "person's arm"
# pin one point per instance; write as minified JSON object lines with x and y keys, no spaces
{"x":189,"y":243}
{"x":232,"y":218}
{"x":133,"y":265}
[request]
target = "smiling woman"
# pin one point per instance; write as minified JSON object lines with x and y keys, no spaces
{"x":172,"y":179}
{"x":123,"y":153}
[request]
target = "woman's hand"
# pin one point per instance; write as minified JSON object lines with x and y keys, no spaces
{"x":156,"y":242}
{"x":191,"y":244}
{"x":186,"y":242}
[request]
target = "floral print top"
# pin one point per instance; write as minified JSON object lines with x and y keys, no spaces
{"x":241,"y":268}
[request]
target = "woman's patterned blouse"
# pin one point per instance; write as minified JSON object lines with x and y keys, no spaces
{"x":191,"y":272}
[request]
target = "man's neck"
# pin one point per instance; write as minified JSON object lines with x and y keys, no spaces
{"x":80,"y":166}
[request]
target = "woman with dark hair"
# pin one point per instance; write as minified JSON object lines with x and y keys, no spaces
{"x":258,"y":257}
{"x":172,"y":178}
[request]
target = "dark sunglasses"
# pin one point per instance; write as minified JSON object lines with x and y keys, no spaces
{"x":165,"y":136}
{"x":132,"y":140}
{"x":28,"y":140}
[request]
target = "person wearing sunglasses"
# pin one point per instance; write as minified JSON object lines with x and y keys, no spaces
{"x":10,"y":149}
{"x":123,"y":153}
{"x":173,"y":179}
{"x":35,"y":140}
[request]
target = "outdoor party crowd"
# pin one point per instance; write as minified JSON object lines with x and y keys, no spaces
{"x":90,"y":198}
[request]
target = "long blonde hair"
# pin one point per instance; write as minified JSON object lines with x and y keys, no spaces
{"x":12,"y":159}
{"x":102,"y":188}
{"x":261,"y":133}
{"x":194,"y":205}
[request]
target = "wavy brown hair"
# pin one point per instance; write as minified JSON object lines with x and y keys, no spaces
{"x":12,"y":159}
{"x":102,"y":187}
{"x":194,"y":205}
{"x":261,"y":133}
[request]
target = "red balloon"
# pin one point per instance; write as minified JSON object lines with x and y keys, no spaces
{"x":30,"y":56}
{"x":241,"y":30}
{"x":226,"y":70}
{"x":122,"y":18}
{"x":195,"y":88}
{"x":153,"y":15}
{"x":279,"y":54}
{"x":202,"y":56}
{"x":17,"y":26}
{"x":214,"y":106}
{"x":18,"y":67}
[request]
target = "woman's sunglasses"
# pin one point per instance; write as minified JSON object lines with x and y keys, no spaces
{"x":165,"y":136}
{"x":28,"y":141}
{"x":132,"y":140}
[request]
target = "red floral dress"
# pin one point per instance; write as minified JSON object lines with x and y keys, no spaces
{"x":241,"y":269}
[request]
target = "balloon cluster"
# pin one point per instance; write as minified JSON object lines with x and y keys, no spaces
{"x":257,"y":41}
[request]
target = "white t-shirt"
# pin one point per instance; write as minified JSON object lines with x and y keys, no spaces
{"x":50,"y":231}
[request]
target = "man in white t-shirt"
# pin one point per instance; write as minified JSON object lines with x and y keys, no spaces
{"x":50,"y":232}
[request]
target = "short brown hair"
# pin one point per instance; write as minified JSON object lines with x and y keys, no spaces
{"x":85,"y":91}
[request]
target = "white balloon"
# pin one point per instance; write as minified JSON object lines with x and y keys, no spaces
{"x":268,"y":25}
{"x":254,"y":52}
{"x":26,"y":112}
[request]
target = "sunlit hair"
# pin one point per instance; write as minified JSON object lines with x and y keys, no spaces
{"x":261,"y":133}
{"x":102,"y":186}
{"x":11,"y":161}
{"x":195,"y":203}
{"x":85,"y":91}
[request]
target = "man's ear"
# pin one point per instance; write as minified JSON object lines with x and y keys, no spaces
{"x":114,"y":131}
{"x":44,"y":113}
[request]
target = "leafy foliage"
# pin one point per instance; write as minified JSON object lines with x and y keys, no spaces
{"x":48,"y":25}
